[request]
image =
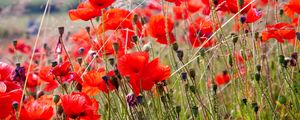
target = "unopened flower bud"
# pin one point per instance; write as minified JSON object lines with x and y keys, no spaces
{"x":115,"y":46}
{"x":56,"y":99}
{"x":175,"y":46}
{"x":257,"y":76}
{"x":135,"y":39}
{"x":192,"y":73}
{"x":79,"y":60}
{"x":15,"y":43}
{"x":180,"y":54}
{"x":111,"y":61}
{"x":54,"y":63}
{"x":88,"y":29}
{"x":195,"y":110}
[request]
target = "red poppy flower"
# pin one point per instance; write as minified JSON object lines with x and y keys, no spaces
{"x":94,"y":82}
{"x":85,"y":11}
{"x":253,"y":15}
{"x":143,"y":74}
{"x":233,"y":6}
{"x":36,"y":110}
{"x":279,"y":31}
{"x":99,"y":4}
{"x":21,"y":46}
{"x":157,"y":29}
{"x":79,"y":105}
{"x":61,"y":69}
{"x":294,"y":5}
{"x":193,"y":5}
{"x":51,"y":84}
{"x":5,"y":71}
{"x":180,"y":13}
{"x":199,"y":31}
{"x":220,"y":5}
{"x":222,"y":78}
{"x":6,"y":100}
{"x":177,"y":2}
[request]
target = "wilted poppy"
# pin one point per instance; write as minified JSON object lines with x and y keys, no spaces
{"x":143,"y":74}
{"x":157,"y":29}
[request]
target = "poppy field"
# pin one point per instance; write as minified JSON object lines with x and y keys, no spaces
{"x":154,"y":60}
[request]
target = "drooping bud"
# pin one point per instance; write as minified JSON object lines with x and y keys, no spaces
{"x":180,"y":54}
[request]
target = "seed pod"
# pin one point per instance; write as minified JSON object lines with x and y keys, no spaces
{"x":61,"y":30}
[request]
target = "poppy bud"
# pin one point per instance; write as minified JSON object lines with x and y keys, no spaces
{"x":255,"y":107}
{"x":135,"y":39}
{"x":244,"y":101}
{"x":281,"y":59}
{"x":281,"y":12}
{"x":215,"y":87}
{"x":202,"y":52}
{"x":15,"y":42}
{"x":257,"y":76}
{"x":115,"y":46}
{"x":281,"y":99}
{"x":193,"y":89}
{"x":192,"y":73}
{"x":61,"y":30}
{"x":258,"y":67}
{"x":242,"y":19}
{"x":79,"y":60}
{"x":230,"y":60}
{"x":216,"y":2}
{"x":56,"y":99}
{"x":54,"y":63}
{"x":241,"y":2}
{"x":175,"y":46}
{"x":59,"y":110}
{"x":235,"y":38}
{"x":15,"y":105}
{"x":195,"y":110}
{"x":88,"y":29}
{"x":178,"y":109}
{"x":114,"y":81}
{"x":135,"y":18}
{"x":180,"y":54}
{"x":111,"y":61}
{"x":184,"y":76}
{"x":298,"y":35}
